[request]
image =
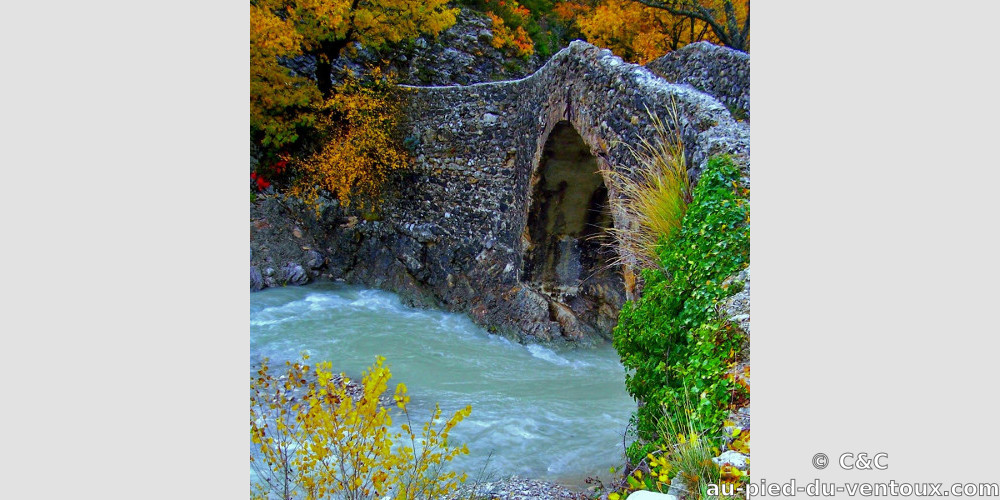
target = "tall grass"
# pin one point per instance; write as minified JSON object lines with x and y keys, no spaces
{"x":653,"y":197}
{"x":681,"y":463}
{"x":689,"y":452}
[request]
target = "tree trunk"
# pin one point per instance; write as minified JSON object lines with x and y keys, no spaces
{"x":324,"y":68}
{"x":328,"y":52}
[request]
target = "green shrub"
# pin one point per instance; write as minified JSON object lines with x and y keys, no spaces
{"x":687,"y":456}
{"x":671,"y":340}
{"x":683,"y":460}
{"x":310,"y":438}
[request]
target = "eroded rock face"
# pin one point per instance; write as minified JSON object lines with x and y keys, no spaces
{"x":463,"y":54}
{"x":281,"y":251}
{"x":508,"y":185}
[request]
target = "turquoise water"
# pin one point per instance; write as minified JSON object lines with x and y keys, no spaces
{"x":548,"y":412}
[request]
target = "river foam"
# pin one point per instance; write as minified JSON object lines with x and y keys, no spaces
{"x":550,"y":412}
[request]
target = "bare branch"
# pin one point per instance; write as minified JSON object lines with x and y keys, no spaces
{"x":726,"y":31}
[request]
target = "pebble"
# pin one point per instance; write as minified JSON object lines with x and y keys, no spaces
{"x":736,"y":459}
{"x":517,"y":488}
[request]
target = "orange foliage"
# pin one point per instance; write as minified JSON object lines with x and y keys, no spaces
{"x":362,"y":149}
{"x":729,"y":20}
{"x":516,"y":42}
{"x":632,"y":30}
{"x":568,"y":11}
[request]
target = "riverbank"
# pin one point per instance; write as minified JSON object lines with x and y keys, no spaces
{"x":549,"y":412}
{"x":476,"y":487}
{"x":518,"y":488}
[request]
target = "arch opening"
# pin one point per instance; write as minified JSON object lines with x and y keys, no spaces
{"x":566,"y":256}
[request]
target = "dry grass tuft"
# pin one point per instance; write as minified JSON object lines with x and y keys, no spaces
{"x":652,"y":199}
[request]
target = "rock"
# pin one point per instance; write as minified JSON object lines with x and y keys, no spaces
{"x":650,"y":495}
{"x":721,"y":72}
{"x":256,"y":280}
{"x":463,"y":54}
{"x":568,"y":268}
{"x":516,"y":488}
{"x":675,"y":489}
{"x":423,"y":233}
{"x":294,"y":274}
{"x":736,"y":308}
{"x":411,"y":263}
{"x":733,"y":458}
{"x":568,"y":322}
{"x":313,"y":259}
{"x":282,"y":237}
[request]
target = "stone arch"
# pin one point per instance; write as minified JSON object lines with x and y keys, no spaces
{"x":566,"y":251}
{"x":456,"y":230}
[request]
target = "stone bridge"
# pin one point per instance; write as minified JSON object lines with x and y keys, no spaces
{"x":505,"y":212}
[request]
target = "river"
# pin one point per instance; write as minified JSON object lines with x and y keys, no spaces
{"x":550,"y":412}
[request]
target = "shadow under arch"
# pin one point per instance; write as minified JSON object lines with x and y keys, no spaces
{"x":566,"y":246}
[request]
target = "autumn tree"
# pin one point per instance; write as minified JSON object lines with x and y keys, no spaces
{"x":332,"y":136}
{"x":509,"y":22}
{"x":310,"y":438}
{"x":362,"y":146}
{"x":326,"y":27}
{"x":728,"y":19}
{"x":280,"y":103}
{"x":639,"y":32}
{"x":631,"y":30}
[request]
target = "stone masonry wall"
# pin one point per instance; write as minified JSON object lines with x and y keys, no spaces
{"x":453,"y":234}
{"x":718,"y":71}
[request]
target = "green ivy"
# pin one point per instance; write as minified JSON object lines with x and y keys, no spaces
{"x":671,"y":340}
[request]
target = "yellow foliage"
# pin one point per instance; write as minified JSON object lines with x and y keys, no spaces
{"x":370,"y":22}
{"x":282,"y":104}
{"x":310,"y":438}
{"x":271,"y":35}
{"x":279,"y":102}
{"x":361,"y":148}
